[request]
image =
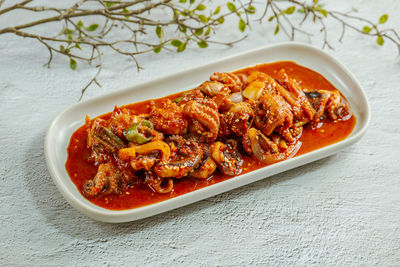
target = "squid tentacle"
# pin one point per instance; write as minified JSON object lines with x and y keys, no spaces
{"x":206,"y":115}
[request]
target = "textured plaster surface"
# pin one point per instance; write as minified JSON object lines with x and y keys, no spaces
{"x":340,"y":211}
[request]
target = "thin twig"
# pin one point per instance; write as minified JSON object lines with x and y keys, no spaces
{"x":123,"y":26}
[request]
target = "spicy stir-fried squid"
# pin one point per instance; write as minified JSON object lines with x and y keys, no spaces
{"x":206,"y":130}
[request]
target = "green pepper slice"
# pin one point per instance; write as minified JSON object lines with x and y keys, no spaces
{"x":132,"y":133}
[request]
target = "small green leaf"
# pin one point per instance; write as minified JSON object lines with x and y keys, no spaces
{"x":157,"y":49}
{"x":217,"y":10}
{"x":379,"y":40}
{"x":176,"y":43}
{"x":221,"y":20}
{"x":251,"y":9}
{"x":366,"y":29}
{"x":271,"y":18}
{"x":80,"y":24}
{"x":231,"y":6}
{"x":78,"y":46}
{"x":176,"y":14}
{"x":182,"y":28}
{"x":72,"y":63}
{"x":276,"y":29}
{"x":202,"y":44}
{"x":69,"y":36}
{"x":62,"y":48}
{"x":383,"y":18}
{"x":203,"y":18}
{"x":125,"y":10}
{"x":315,"y":1}
{"x":301,"y":10}
{"x":290,"y":10}
{"x":159,"y":32}
{"x":207,"y":31}
{"x":68,"y":31}
{"x":200,"y":7}
{"x":323,"y":12}
{"x":92,"y":27}
{"x":199,"y":32}
{"x":182,"y":1}
{"x":192,"y":1}
{"x":109,"y":4}
{"x":242,"y":25}
{"x":67,"y":50}
{"x":181,"y":48}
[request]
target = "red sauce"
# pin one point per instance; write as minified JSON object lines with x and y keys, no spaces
{"x":80,"y":169}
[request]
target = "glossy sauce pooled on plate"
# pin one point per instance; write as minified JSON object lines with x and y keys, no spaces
{"x":154,"y":150}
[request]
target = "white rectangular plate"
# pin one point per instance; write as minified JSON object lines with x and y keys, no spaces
{"x":62,"y":127}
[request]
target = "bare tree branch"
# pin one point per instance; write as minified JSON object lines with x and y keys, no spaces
{"x":123,"y":26}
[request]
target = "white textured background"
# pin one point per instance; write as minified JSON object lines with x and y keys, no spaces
{"x":342,"y":210}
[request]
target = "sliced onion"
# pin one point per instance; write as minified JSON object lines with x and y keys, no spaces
{"x":211,"y":88}
{"x":254,"y":90}
{"x":236,"y":97}
{"x":255,"y":146}
{"x":292,"y":150}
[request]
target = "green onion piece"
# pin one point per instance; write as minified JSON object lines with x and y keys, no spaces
{"x":179,"y":99}
{"x":141,"y":139}
{"x":146,"y":123}
{"x":132,"y":133}
{"x":110,"y":141}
